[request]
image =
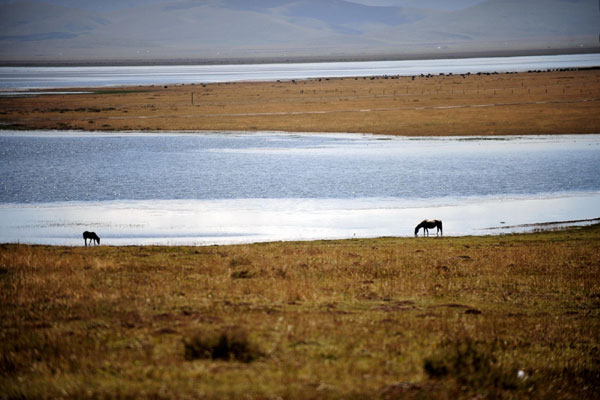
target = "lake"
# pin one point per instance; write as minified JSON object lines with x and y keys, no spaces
{"x":221,"y":188}
{"x":19,"y":78}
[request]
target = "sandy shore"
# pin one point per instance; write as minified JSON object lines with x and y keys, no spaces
{"x":557,"y":102}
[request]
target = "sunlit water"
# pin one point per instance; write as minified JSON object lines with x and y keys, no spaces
{"x":219,"y":188}
{"x":15,"y":78}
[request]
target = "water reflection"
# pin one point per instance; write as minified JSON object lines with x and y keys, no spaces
{"x":207,"y":222}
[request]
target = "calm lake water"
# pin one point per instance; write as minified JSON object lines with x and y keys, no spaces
{"x":213,"y":188}
{"x":15,"y":78}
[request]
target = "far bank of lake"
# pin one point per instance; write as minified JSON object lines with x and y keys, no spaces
{"x":528,"y":103}
{"x":99,"y":76}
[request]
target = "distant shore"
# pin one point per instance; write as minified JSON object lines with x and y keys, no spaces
{"x":297,"y":59}
{"x":552,"y":102}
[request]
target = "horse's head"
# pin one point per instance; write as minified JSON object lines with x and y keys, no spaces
{"x":417,"y":230}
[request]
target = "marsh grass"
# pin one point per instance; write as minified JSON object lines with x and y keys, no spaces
{"x":362,"y":318}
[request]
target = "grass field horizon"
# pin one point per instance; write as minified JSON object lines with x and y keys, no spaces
{"x":509,"y":316}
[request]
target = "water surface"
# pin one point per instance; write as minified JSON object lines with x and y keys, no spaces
{"x":50,"y":167}
{"x":14,"y":78}
{"x":208,"y":188}
{"x":206,"y":222}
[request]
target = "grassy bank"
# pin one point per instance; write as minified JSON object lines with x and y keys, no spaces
{"x":378,"y":318}
{"x":557,"y":102}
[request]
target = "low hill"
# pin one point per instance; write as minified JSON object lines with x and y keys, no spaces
{"x":67,"y":30}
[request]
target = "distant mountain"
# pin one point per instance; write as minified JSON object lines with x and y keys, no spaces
{"x":345,"y":17}
{"x":39,"y":21}
{"x":506,"y":25}
{"x":100,"y":6}
{"x":440,"y":5}
{"x":137,"y":30}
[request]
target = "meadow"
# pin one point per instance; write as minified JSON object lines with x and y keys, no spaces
{"x":515,"y":316}
{"x":551,"y":102}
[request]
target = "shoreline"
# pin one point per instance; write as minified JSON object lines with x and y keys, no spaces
{"x":191,"y":222}
{"x":533,"y":229}
{"x":548,"y":226}
{"x":527,"y":229}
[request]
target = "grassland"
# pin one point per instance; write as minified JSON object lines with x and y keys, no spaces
{"x":513,"y":316}
{"x":379,"y":318}
{"x":556,"y":102}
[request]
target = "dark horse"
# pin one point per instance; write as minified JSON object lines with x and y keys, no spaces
{"x":427,"y":224}
{"x":91,"y":236}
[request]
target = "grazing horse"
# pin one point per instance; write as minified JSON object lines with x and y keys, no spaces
{"x":427,"y":224}
{"x":91,"y":236}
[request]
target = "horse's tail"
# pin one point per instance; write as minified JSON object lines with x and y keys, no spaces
{"x":441,"y":230}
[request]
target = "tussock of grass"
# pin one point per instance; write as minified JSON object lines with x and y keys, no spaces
{"x":229,"y":345}
{"x":366,"y":318}
{"x":470,"y":363}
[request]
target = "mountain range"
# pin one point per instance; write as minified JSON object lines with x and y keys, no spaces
{"x":210,"y":30}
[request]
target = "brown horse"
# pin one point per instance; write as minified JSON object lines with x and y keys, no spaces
{"x":91,"y":236}
{"x":427,"y":224}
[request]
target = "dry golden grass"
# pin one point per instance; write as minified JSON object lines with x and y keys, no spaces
{"x":559,"y":102}
{"x":379,"y":318}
